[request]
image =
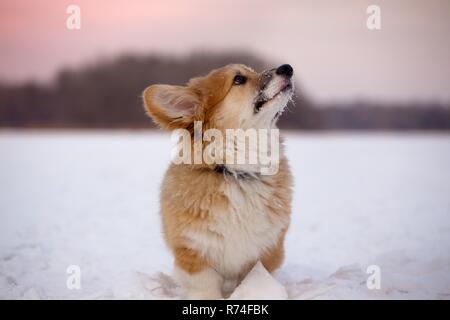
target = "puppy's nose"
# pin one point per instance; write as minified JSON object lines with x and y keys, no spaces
{"x":285,"y":70}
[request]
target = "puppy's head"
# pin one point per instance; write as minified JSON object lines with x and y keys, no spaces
{"x":232,"y":97}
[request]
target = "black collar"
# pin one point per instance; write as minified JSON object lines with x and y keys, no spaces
{"x":237,"y":174}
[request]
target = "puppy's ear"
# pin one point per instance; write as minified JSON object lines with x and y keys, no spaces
{"x":171,"y":107}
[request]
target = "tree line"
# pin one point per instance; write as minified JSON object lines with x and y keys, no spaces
{"x":107,"y":94}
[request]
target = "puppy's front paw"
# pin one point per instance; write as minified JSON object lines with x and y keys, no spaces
{"x":203,"y":285}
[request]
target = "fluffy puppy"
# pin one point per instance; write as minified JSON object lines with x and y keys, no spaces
{"x":220,"y":219}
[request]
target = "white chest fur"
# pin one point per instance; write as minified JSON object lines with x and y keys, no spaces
{"x":237,"y":235}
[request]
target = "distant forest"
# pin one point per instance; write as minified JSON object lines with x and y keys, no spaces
{"x":107,"y":94}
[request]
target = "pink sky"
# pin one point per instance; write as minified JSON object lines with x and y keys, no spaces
{"x":334,"y":55}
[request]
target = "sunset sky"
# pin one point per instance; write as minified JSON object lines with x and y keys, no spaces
{"x":333,"y":53}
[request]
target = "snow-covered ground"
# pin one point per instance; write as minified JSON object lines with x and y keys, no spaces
{"x":91,"y":199}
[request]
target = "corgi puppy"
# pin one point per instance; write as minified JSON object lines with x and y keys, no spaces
{"x":220,"y":219}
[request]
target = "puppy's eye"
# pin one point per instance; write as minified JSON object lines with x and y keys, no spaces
{"x":239,"y":79}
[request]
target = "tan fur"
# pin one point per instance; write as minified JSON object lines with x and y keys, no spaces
{"x":212,"y":221}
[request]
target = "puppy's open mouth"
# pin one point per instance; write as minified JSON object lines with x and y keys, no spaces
{"x":263,"y":99}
